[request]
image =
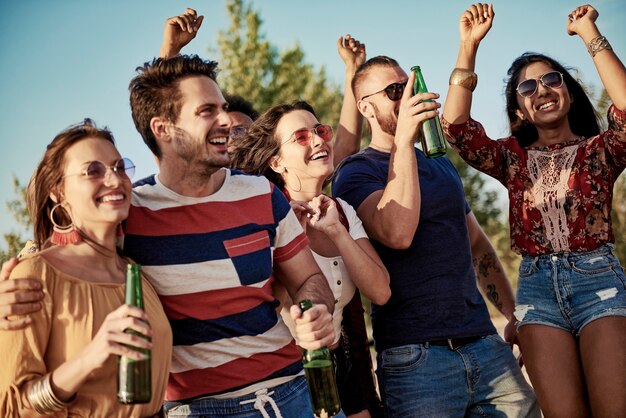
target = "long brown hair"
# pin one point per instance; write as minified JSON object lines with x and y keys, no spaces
{"x":254,"y":152}
{"x":48,"y":177}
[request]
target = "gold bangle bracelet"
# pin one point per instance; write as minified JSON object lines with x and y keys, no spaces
{"x":598,"y":44}
{"x":464,"y":78}
{"x":43,"y":399}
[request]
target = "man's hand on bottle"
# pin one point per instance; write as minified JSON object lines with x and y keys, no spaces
{"x":413,"y":111}
{"x":314,"y":328}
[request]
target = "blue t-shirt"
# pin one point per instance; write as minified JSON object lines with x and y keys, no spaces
{"x":433,"y":284}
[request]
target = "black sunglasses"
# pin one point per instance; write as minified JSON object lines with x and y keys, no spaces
{"x":553,"y":80}
{"x":393,"y":91}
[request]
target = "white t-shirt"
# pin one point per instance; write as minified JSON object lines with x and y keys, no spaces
{"x":336,"y":273}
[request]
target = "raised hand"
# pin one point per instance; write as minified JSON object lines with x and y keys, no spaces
{"x":351,"y":51}
{"x":179,"y":31}
{"x":475,"y":22}
{"x":583,"y":17}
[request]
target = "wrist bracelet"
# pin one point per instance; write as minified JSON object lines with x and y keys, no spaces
{"x":464,"y":78}
{"x":43,"y":399}
{"x":597,"y":44}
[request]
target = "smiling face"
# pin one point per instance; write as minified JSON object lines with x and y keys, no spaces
{"x":311,"y":161}
{"x":94,"y":203}
{"x":200,"y":134}
{"x":548,"y":107}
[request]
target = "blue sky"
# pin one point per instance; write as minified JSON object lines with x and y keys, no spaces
{"x":65,"y":60}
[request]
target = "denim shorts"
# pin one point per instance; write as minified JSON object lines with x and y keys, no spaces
{"x":480,"y":379}
{"x":291,"y":399}
{"x":569,"y":290}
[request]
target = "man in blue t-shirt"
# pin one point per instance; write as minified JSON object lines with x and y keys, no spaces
{"x":438,"y":352}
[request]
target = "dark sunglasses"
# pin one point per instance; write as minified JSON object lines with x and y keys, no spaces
{"x":553,"y":80}
{"x":237,"y":132}
{"x":97,"y":170}
{"x":393,"y":91}
{"x":304,"y":136}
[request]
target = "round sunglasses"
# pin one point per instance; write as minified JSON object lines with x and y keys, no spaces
{"x":553,"y":80}
{"x":304,"y":136}
{"x":97,"y":170}
{"x":393,"y":91}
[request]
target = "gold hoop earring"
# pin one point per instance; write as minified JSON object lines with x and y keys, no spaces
{"x":63,"y":235}
{"x":298,"y":178}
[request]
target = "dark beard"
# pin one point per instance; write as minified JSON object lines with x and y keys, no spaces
{"x":187,"y":148}
{"x":388,"y":123}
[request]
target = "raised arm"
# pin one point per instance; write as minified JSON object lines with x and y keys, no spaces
{"x":348,"y":138}
{"x":391,"y":215}
{"x":178,"y":32}
{"x":582,"y":22}
{"x":474,"y":24}
{"x":491,"y":277}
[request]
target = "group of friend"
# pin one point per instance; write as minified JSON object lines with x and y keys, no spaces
{"x":235,"y":229}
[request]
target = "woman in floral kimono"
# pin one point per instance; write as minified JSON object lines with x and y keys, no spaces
{"x":559,"y":170}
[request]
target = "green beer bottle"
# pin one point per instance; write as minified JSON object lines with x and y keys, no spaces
{"x":134,"y":376}
{"x":320,"y":375}
{"x":433,"y":142}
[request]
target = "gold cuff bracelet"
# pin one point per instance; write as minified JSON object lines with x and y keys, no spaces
{"x":464,"y":78}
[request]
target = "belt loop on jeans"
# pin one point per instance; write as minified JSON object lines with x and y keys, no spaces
{"x":450,"y":346}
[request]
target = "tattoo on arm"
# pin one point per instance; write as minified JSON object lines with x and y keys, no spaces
{"x":493,"y":296}
{"x":484,"y":265}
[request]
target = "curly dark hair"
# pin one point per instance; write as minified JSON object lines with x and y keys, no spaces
{"x":154,"y":91}
{"x":237,"y":103}
{"x":254,"y":152}
{"x":582,"y":117}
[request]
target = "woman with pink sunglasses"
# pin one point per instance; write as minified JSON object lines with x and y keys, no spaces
{"x":290,"y":147}
{"x":559,"y":170}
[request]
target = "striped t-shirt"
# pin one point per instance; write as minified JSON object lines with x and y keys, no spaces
{"x":210,"y":260}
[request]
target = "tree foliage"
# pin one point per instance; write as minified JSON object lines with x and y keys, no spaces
{"x":17,"y":207}
{"x":256,"y":70}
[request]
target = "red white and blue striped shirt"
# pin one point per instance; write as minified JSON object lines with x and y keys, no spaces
{"x":210,"y":260}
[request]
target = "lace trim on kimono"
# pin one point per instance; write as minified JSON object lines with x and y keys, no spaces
{"x":550,"y":172}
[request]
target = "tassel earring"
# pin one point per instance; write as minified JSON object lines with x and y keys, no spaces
{"x":63,"y":235}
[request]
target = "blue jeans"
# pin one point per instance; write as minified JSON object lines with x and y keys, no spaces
{"x":291,"y":399}
{"x":480,"y":379}
{"x":569,"y":290}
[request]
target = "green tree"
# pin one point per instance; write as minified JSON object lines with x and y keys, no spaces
{"x":17,"y":207}
{"x":254,"y":69}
